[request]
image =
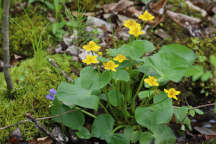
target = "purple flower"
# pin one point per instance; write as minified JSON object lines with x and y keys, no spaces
{"x":51,"y":95}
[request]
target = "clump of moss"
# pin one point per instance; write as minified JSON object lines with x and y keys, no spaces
{"x":24,"y":30}
{"x":91,"y":5}
{"x":32,"y":84}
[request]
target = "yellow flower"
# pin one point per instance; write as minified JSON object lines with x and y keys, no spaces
{"x":91,"y":46}
{"x":172,"y":93}
{"x":129,"y":23}
{"x":146,"y":16}
{"x":136,"y":30}
{"x":110,"y":65}
{"x":90,"y":59}
{"x":100,"y":53}
{"x":151,"y":81}
{"x":120,"y":58}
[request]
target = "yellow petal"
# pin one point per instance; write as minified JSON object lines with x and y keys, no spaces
{"x":166,"y":91}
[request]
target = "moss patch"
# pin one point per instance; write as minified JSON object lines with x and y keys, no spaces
{"x":32,"y":83}
{"x":24,"y":30}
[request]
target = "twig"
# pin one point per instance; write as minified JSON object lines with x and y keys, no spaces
{"x":43,"y":118}
{"x":205,"y":105}
{"x":40,"y":127}
{"x":62,"y":72}
{"x":20,"y":122}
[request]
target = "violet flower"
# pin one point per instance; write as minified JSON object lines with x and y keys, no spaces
{"x":51,"y":95}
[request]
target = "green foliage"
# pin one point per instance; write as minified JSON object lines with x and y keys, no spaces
{"x":32,"y":84}
{"x":117,"y":89}
{"x":24,"y":31}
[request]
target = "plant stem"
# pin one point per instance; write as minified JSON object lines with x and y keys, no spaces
{"x":137,"y":92}
{"x":85,"y":112}
{"x":6,"y":52}
{"x":118,"y":127}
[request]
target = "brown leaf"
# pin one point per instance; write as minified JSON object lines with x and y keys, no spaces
{"x":208,"y":133}
{"x":158,"y":10}
{"x":44,"y":140}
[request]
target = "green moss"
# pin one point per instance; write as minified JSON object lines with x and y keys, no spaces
{"x":24,"y":29}
{"x":91,"y":5}
{"x":32,"y":82}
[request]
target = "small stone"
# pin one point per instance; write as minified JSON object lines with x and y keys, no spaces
{"x":93,"y":21}
{"x":207,"y":125}
{"x":68,"y":40}
{"x":72,"y":50}
{"x":57,"y":133}
{"x":59,"y":49}
{"x":212,"y":121}
{"x":99,"y":32}
{"x":124,"y":35}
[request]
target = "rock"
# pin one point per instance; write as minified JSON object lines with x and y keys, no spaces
{"x":124,"y":35}
{"x":96,"y":22}
{"x":72,"y":50}
{"x":57,"y":133}
{"x":69,"y":39}
{"x":59,"y":49}
{"x":99,"y":32}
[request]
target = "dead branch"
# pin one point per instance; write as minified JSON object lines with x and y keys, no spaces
{"x":40,"y":127}
{"x":62,"y":72}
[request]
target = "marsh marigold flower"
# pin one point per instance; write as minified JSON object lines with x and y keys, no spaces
{"x":100,"y":53}
{"x":120,"y":58}
{"x":90,"y":59}
{"x":172,"y":93}
{"x":146,"y":16}
{"x":151,"y":81}
{"x":110,"y":65}
{"x":129,"y":23}
{"x":136,"y":30}
{"x":91,"y":46}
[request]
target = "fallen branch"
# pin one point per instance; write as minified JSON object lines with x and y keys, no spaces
{"x":62,"y":72}
{"x":42,"y":118}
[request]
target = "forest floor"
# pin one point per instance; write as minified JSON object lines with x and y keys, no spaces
{"x":45,"y":45}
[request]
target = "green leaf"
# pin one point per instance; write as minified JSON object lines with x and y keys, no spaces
{"x":83,"y":133}
{"x":115,"y":97}
{"x":206,"y":76}
{"x":121,"y":74}
{"x":188,"y":123}
{"x":195,"y":71}
{"x":145,"y":94}
{"x":73,"y":120}
{"x":192,"y":112}
{"x":213,"y":60}
{"x":146,"y":138}
{"x":198,"y":111}
{"x":163,"y":134}
{"x":91,"y":79}
{"x":118,"y":139}
{"x":180,"y":113}
{"x":160,"y":112}
{"x":131,"y":134}
{"x":102,"y":126}
{"x":134,"y":50}
{"x":171,"y":62}
{"x":72,"y":95}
